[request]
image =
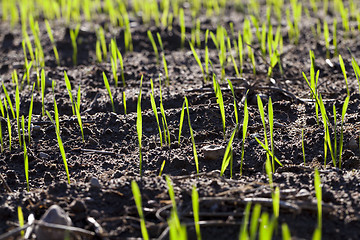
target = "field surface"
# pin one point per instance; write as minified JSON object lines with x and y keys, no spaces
{"x":102,"y":165}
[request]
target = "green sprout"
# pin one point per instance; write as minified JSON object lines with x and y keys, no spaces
{"x":255,"y":221}
{"x":164,"y":122}
{"x":43,"y":91}
{"x":30,"y":112}
{"x":198,"y":61}
{"x":244,"y":233}
{"x":17,"y":107}
{"x":303,"y":144}
{"x":344,"y":108}
{"x":317,"y":185}
{"x":195,"y":204}
{"x":342,"y":65}
{"x":285,"y":232}
{"x":8,"y":101}
{"x":139,"y":125}
{"x":107,"y":86}
{"x":356,"y":71}
{"x":124,"y":102}
{"x":26,"y":158}
{"x":244,"y":131}
{"x":181,"y":121}
{"x":137,"y":198}
{"x":153,"y":105}
{"x":73,"y":35}
{"x":68,"y":87}
{"x":164,"y":60}
{"x":48,"y":29}
{"x":78,"y":116}
{"x":228,"y":156}
{"x":151,"y":38}
{"x":220,"y":101}
{"x":101,"y":37}
{"x":21,"y":219}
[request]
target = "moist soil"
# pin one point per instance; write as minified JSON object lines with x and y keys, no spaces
{"x":109,"y":153}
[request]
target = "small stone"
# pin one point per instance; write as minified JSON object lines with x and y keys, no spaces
{"x":36,"y":128}
{"x":55,"y":215}
{"x":94,"y":213}
{"x":303,"y":193}
{"x":44,"y":156}
{"x":94,"y":182}
{"x":353,"y":144}
{"x":78,"y":206}
{"x":213,"y":152}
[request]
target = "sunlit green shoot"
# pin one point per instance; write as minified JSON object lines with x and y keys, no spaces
{"x":17,"y":108}
{"x":285,"y":232}
{"x":276,"y":202}
{"x":26,"y":158}
{"x":181,"y":121}
{"x":182,"y":26}
{"x":303,"y":144}
{"x":48,"y":29}
{"x":43,"y":91}
{"x":244,"y":233}
{"x":344,"y":109}
{"x":198,"y":61}
{"x":153,"y":105}
{"x":255,"y":216}
{"x":20,"y":219}
{"x":30,"y":112}
{"x":244,"y":133}
{"x":124,"y":101}
{"x":220,"y":101}
{"x":342,"y":65}
{"x":228,"y":156}
{"x":98,"y":51}
{"x":317,"y":184}
{"x":195,"y":204}
{"x":137,"y":198}
{"x":192,"y":136}
{"x":8,"y":101}
{"x":356,"y":71}
{"x":139,"y":125}
{"x":262,"y":115}
{"x":73,"y":35}
{"x":271,"y":126}
{"x":151,"y":38}
{"x":106,"y":82}
{"x":68,"y":87}
{"x":9,"y":129}
{"x":101,"y":37}
{"x":167,"y":81}
{"x":60,"y":143}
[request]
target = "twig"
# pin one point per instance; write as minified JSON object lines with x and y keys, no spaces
{"x":93,"y":151}
{"x":5,"y":183}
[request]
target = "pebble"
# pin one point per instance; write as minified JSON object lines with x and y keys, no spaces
{"x":44,"y":156}
{"x":213,"y":152}
{"x":78,"y":206}
{"x":94,"y":213}
{"x":36,"y":128}
{"x":55,"y":215}
{"x":94,"y":182}
{"x":353,"y":144}
{"x":303,"y":193}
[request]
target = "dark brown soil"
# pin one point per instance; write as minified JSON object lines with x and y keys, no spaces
{"x":114,"y":133}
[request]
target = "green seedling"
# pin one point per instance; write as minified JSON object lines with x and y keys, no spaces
{"x":173,"y":201}
{"x":182,"y":26}
{"x":106,"y":82}
{"x":255,"y":216}
{"x":167,"y":82}
{"x":68,"y":87}
{"x":207,"y":54}
{"x":228,"y":156}
{"x":98,"y":51}
{"x":124,"y":101}
{"x":43,"y":91}
{"x":195,"y":205}
{"x":101,"y":37}
{"x":73,"y":35}
{"x":162,"y":168}
{"x":262,"y":115}
{"x":153,"y":105}
{"x":241,"y":52}
{"x":191,"y":133}
{"x":181,"y":121}
{"x":9,"y":129}
{"x":30,"y":112}
{"x":342,"y":65}
{"x":266,"y":227}
{"x":121,"y":67}
{"x":78,"y":116}
{"x":244,"y":233}
{"x":268,"y":169}
{"x":220,"y":102}
{"x":285,"y":232}
{"x":20,"y":219}
{"x":8,"y":101}
{"x":151,"y":38}
{"x":164,"y":122}
{"x":276,"y":202}
{"x":139,"y":125}
{"x":51,"y":37}
{"x":271,"y":126}
{"x":317,"y":184}
{"x":232,"y":58}
{"x":356,"y":71}
{"x":60,"y":143}
{"x":17,"y":108}
{"x":198,"y":61}
{"x":235,"y":103}
{"x":26,"y":158}
{"x":244,"y":133}
{"x":2,"y":108}
{"x":1,"y":139}
{"x":344,"y":108}
{"x":137,"y":198}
